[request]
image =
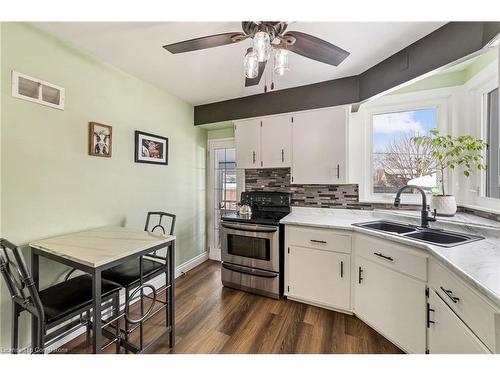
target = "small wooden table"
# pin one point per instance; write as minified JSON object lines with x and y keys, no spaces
{"x":93,"y":251}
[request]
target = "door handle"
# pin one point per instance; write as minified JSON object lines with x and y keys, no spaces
{"x":338,"y":171}
{"x":360,"y":278}
{"x":282,"y":155}
{"x":253,"y":157}
{"x":450,"y":295}
{"x":341,"y":268}
{"x":429,"y":321}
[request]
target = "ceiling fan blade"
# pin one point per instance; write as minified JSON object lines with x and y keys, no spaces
{"x":315,"y":48}
{"x":205,"y":42}
{"x":256,"y":80}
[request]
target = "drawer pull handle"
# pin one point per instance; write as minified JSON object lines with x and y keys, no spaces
{"x":341,"y":269}
{"x":380,"y":255}
{"x":450,"y":295}
{"x":318,"y":241}
{"x":360,"y":278}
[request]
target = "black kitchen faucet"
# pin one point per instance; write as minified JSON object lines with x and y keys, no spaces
{"x":425,"y":219}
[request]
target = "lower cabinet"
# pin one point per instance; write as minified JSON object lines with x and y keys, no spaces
{"x":392,"y":303}
{"x":446,"y":333}
{"x":318,"y":276}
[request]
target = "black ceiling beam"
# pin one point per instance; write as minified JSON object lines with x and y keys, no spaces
{"x":441,"y":47}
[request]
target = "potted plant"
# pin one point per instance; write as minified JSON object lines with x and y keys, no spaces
{"x":450,"y":152}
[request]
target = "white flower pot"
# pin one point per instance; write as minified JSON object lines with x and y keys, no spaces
{"x":445,"y":205}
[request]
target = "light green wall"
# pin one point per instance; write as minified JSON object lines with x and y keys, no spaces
{"x":453,"y":78}
{"x":50,"y":185}
{"x":221,"y":133}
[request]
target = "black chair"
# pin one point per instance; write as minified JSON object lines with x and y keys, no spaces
{"x":128,"y":274}
{"x":55,"y":306}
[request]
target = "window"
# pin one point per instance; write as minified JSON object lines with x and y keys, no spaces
{"x":493,"y":140}
{"x":397,"y":161}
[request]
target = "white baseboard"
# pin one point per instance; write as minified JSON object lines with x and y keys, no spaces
{"x":157,"y":282}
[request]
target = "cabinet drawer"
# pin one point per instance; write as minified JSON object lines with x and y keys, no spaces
{"x":473,"y":309}
{"x":393,"y":255}
{"x":318,"y":238}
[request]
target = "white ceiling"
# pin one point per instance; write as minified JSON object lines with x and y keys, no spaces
{"x":217,"y":74}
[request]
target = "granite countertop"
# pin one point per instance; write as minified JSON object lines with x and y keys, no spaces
{"x":478,"y":263}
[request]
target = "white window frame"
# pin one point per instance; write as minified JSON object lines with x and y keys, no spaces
{"x":39,"y":100}
{"x":438,"y":98}
{"x":212,"y":145}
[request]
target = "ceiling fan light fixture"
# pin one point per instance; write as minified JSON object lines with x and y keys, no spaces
{"x":281,"y":61}
{"x":251,"y":64}
{"x":262,"y":45}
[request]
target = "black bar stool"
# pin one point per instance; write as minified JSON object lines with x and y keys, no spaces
{"x":55,"y":305}
{"x":132,"y":274}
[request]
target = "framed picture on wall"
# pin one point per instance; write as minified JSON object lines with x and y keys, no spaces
{"x":100,"y":140}
{"x":150,"y":148}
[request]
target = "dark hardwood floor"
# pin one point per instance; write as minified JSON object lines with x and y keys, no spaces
{"x":214,"y":319}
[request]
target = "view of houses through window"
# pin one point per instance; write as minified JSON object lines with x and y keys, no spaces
{"x":397,"y":160}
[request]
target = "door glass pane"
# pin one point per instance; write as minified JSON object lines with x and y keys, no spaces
{"x":225,"y":193}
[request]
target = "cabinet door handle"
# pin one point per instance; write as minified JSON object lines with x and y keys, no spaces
{"x":318,"y":241}
{"x":450,"y":295}
{"x":341,"y":268}
{"x":282,"y":155}
{"x":338,"y":171}
{"x":429,"y":321}
{"x":253,"y":156}
{"x":380,"y":255}
{"x":360,"y":278}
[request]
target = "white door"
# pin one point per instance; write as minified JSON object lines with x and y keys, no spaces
{"x":276,"y":141}
{"x":247,"y":143}
{"x":222,"y":188}
{"x":319,"y":276}
{"x":394,"y":304}
{"x":319,"y":147}
{"x":446,"y":333}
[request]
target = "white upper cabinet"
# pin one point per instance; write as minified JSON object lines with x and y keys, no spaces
{"x":247,"y":143}
{"x":319,"y":140}
{"x":276,"y":141}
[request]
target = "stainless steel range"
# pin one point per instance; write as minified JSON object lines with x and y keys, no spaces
{"x":252,"y":246}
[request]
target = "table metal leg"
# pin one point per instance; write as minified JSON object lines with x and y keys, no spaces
{"x":171,"y":294}
{"x":97,"y":314}
{"x":35,"y":271}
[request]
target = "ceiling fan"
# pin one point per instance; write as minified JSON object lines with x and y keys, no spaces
{"x":269,"y":39}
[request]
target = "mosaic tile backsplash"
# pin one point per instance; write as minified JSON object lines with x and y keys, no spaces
{"x":324,"y":196}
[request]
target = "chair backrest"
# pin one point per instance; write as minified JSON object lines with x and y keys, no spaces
{"x":18,"y":278}
{"x":157,"y":217}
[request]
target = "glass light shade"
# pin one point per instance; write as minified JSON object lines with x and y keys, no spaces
{"x":251,"y":64}
{"x":262,"y":45}
{"x":281,"y":61}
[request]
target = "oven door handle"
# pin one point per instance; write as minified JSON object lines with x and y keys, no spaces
{"x":247,"y":271}
{"x":249,"y":228}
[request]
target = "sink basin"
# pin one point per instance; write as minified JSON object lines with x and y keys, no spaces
{"x":441,"y":237}
{"x":432,"y":236}
{"x":388,"y":226}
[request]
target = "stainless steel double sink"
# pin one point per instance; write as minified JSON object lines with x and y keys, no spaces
{"x":437,"y":237}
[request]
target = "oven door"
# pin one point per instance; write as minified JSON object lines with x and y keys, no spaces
{"x":250,"y":245}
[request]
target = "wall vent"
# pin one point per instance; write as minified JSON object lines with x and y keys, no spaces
{"x":37,"y":91}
